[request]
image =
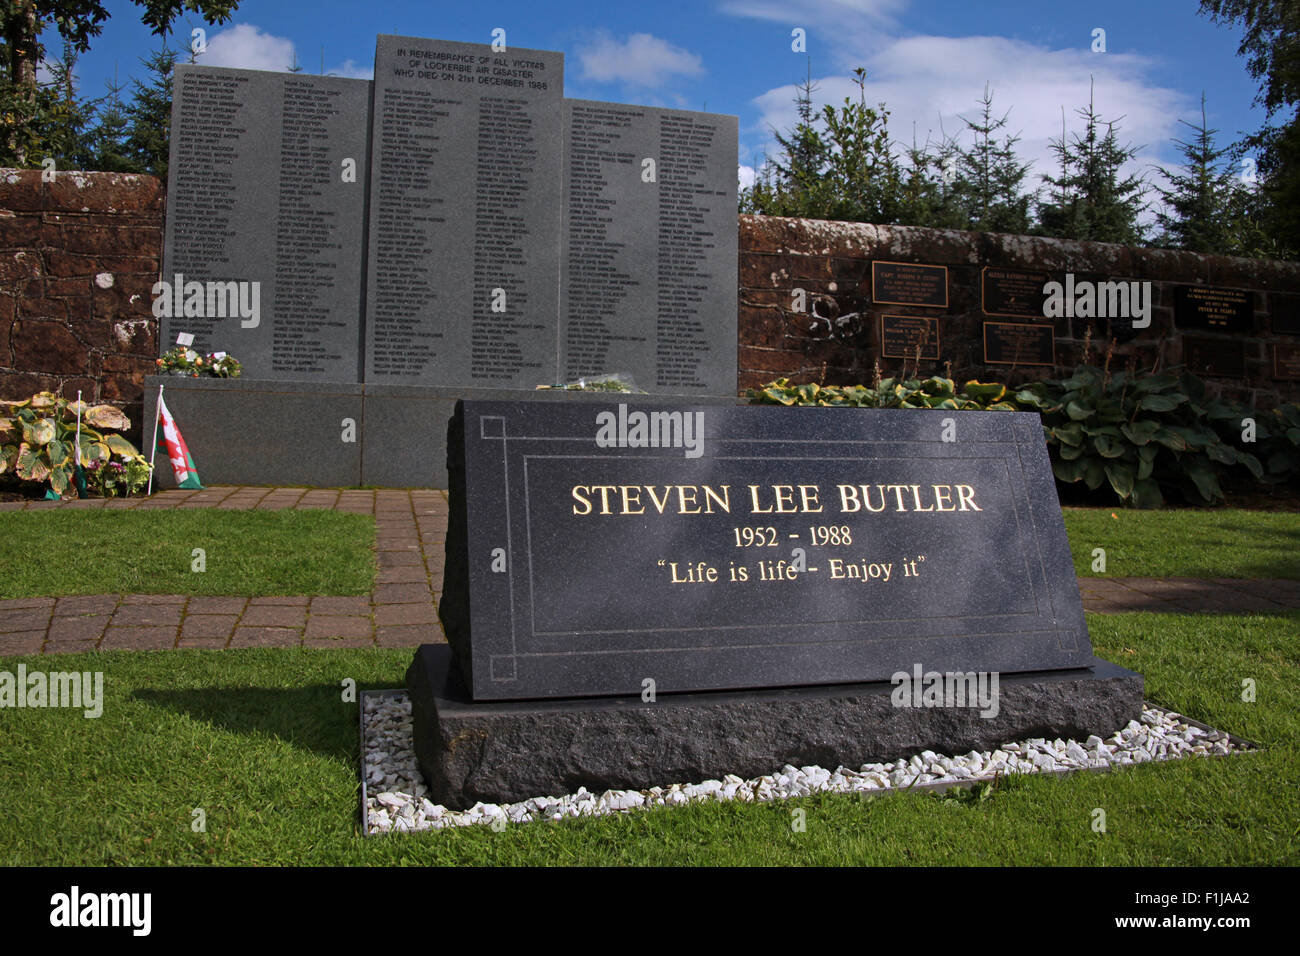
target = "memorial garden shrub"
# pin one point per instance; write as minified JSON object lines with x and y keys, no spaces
{"x":1142,"y":436}
{"x":37,"y":440}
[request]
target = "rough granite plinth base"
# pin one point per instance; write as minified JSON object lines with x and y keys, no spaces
{"x":502,"y":752}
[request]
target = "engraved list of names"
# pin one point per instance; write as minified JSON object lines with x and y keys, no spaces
{"x":649,"y":246}
{"x":464,"y":238}
{"x":259,"y":196}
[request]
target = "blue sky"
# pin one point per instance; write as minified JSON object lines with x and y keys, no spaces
{"x":928,"y":61}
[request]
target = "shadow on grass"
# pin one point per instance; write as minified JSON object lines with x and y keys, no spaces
{"x":313,"y":718}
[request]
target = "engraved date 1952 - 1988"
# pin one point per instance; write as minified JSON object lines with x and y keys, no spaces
{"x":819,"y":536}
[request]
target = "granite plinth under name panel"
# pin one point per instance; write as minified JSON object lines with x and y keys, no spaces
{"x":251,"y":432}
{"x":421,"y":415}
{"x":266,"y":212}
{"x":464,"y":235}
{"x":650,"y":247}
{"x":594,"y":548}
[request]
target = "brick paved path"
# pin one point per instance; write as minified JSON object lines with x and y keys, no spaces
{"x":410,"y":536}
{"x":411,"y":530}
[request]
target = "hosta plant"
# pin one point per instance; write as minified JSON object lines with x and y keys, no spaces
{"x":934,"y":392}
{"x":38,"y":441}
{"x":1143,"y":435}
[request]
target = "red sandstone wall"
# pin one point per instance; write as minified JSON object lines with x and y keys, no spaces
{"x":78,"y":257}
{"x":831,"y":261}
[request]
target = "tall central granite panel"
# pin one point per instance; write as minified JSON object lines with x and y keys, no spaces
{"x":464,"y":247}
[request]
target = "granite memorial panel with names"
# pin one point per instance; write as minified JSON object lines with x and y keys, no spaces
{"x":901,"y":335}
{"x":909,"y":283}
{"x":1013,"y":292}
{"x":650,"y":246}
{"x":592,"y":548}
{"x":465,"y":219}
{"x":258,"y":197}
{"x":1015,"y":343}
{"x":1216,"y":309}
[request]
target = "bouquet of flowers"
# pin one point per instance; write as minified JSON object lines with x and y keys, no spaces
{"x":188,"y":363}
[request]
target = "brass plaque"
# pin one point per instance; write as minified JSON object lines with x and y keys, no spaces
{"x":907,"y":283}
{"x":1016,"y":343}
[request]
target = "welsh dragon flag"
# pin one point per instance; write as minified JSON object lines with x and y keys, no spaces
{"x":171,"y":442}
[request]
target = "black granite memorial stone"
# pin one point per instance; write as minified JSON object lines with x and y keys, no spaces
{"x":594,"y":548}
{"x":1219,"y":310}
{"x":649,"y":271}
{"x":1015,"y":343}
{"x":909,"y":283}
{"x":464,"y":236}
{"x":266,"y":204}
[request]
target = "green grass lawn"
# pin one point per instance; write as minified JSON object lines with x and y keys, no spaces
{"x":246,"y":553}
{"x":261,"y":740}
{"x":1186,"y":543}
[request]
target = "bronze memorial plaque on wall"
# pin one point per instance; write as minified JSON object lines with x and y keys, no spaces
{"x":1013,"y":292}
{"x":906,"y":283}
{"x":900,"y":335}
{"x":1223,"y":357}
{"x":1286,"y":314}
{"x":1219,"y":310}
{"x":1286,"y":361}
{"x":1016,"y":343}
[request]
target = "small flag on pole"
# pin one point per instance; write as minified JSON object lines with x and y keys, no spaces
{"x":177,"y":451}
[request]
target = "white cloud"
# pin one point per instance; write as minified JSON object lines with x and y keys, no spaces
{"x":934,"y":81}
{"x":247,"y":47}
{"x":745,"y":176}
{"x":813,"y":11}
{"x":641,"y":60}
{"x":827,"y":21}
{"x":354,"y":70}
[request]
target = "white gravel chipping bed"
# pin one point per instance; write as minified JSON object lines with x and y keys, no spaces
{"x":397,"y":798}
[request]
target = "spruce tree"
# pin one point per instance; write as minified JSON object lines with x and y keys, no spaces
{"x":1093,"y":200}
{"x":1199,"y":202}
{"x":149,"y":115}
{"x":990,"y":175}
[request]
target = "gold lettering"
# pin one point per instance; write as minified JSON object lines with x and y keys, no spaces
{"x":724,"y":501}
{"x":966,"y":494}
{"x":655,"y":498}
{"x":942,"y":494}
{"x":866,"y":497}
{"x":580,"y":497}
{"x":849,"y":495}
{"x":631,"y":496}
{"x":916,"y":497}
{"x":681,"y":500}
{"x":808,"y":498}
{"x":753,"y":498}
{"x":784,"y":496}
